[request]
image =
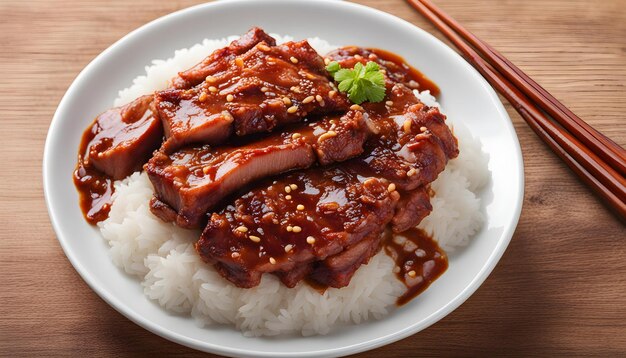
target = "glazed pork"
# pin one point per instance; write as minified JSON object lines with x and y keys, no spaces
{"x":194,"y":180}
{"x":288,"y":175}
{"x":251,"y":92}
{"x":218,"y":60}
{"x":122,"y":139}
{"x":261,"y":222}
{"x":298,"y":220}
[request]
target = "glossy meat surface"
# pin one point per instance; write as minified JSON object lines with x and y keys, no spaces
{"x":123,"y":138}
{"x":253,"y":92}
{"x":303,"y":217}
{"x":408,"y":147}
{"x":116,"y":144}
{"x":194,"y":180}
{"x":216,"y":61}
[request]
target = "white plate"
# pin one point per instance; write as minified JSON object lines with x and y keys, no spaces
{"x":466,"y":97}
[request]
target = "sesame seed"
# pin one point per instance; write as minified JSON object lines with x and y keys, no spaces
{"x":372,"y":56}
{"x":264,"y":89}
{"x":292,"y":109}
{"x":411,"y":172}
{"x":412,"y":273}
{"x":227,"y":116}
{"x":212,"y":89}
{"x":255,"y":238}
{"x":289,"y":228}
{"x":286,"y":101}
{"x":389,"y":103}
{"x":293,"y":186}
{"x":239,"y":62}
{"x":263,"y":47}
{"x":310,"y":76}
{"x":288,"y":197}
{"x":293,"y":59}
{"x":369,"y":181}
{"x":358,"y":57}
{"x":202,"y":97}
{"x":287,"y":189}
{"x":326,"y":61}
{"x":406,"y":126}
{"x":310,"y":240}
{"x":206,"y":170}
{"x":235,"y":255}
{"x":356,"y":107}
{"x":391,"y":187}
{"x":319,"y":98}
{"x":230,"y":98}
{"x":309,"y":99}
{"x":296,"y":136}
{"x":332,"y":94}
{"x":297,"y":229}
{"x":300,"y":207}
{"x":327,"y":135}
{"x":272,"y":260}
{"x":211,"y":79}
{"x":242,"y":229}
{"x":288,"y":247}
{"x":423,"y":129}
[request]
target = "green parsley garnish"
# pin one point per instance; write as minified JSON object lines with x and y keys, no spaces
{"x":361,"y":83}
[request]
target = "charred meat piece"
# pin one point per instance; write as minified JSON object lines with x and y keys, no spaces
{"x":254,"y":92}
{"x":304,"y":217}
{"x":194,"y":180}
{"x":337,"y":270}
{"x":412,"y":208}
{"x":217,"y":61}
{"x":412,"y":144}
{"x":122,"y":139}
{"x":189,"y":182}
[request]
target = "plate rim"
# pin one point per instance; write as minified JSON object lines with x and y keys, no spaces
{"x":168,"y":334}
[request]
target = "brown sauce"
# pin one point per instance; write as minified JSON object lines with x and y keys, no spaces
{"x":424,"y":82}
{"x":419,"y":261}
{"x":94,"y":188}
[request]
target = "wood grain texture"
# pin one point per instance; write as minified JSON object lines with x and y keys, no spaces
{"x":559,"y":289}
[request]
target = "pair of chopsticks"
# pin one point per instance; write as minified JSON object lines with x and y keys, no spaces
{"x":597,"y":160}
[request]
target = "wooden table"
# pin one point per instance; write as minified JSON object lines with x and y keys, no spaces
{"x":559,"y":289}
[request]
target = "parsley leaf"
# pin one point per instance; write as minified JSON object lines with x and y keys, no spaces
{"x":361,"y":83}
{"x":333,"y":67}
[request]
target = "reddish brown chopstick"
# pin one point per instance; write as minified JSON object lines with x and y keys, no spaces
{"x":603,"y":179}
{"x":609,"y":151}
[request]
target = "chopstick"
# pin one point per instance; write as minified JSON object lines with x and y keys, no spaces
{"x":517,"y":87}
{"x":604,"y":147}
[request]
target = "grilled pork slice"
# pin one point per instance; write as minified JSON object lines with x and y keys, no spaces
{"x":194,"y":180}
{"x":253,"y":92}
{"x":412,"y":208}
{"x":290,"y":223}
{"x":413,"y":143}
{"x":337,"y":270}
{"x":255,"y":234}
{"x":122,"y":139}
{"x":218,"y":60}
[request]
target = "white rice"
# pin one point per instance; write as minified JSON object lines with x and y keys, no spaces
{"x":162,"y":256}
